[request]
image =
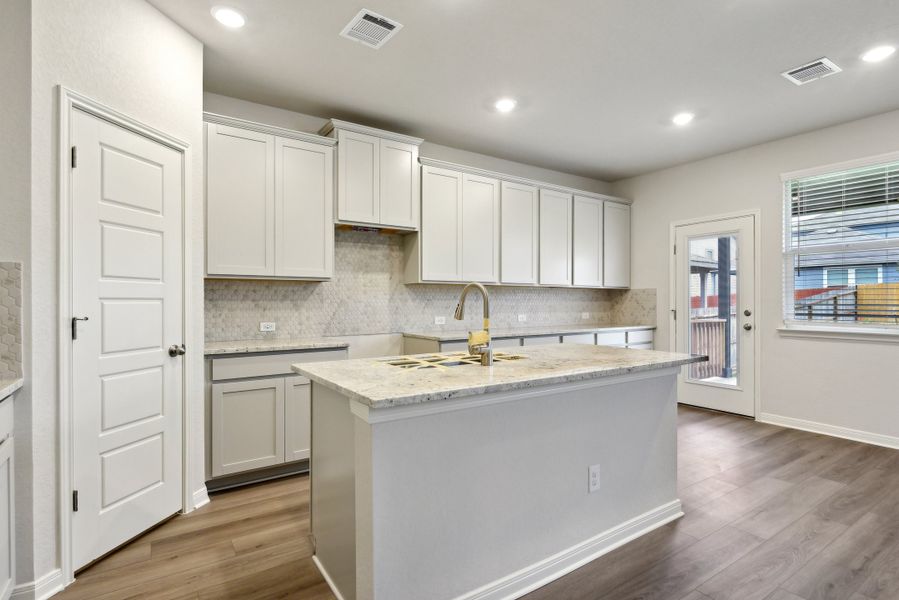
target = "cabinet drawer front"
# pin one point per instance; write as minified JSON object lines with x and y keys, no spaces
{"x":579,"y":338}
{"x":266,"y":365}
{"x":453,"y":346}
{"x":640,"y":336}
{"x":507,"y":343}
{"x":611,"y":338}
{"x":6,"y":418}
{"x":540,"y":339}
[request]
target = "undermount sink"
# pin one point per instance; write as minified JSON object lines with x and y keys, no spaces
{"x":451,"y":359}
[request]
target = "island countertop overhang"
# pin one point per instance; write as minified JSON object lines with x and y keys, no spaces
{"x":377,"y":384}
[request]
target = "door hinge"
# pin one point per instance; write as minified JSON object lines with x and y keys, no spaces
{"x":674,"y":313}
{"x":675,"y":248}
{"x":74,"y":500}
{"x":74,"y":157}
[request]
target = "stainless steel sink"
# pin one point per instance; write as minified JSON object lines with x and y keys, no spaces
{"x":449,"y":359}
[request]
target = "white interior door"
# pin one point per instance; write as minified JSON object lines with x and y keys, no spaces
{"x":127,"y":284}
{"x":714,"y":304}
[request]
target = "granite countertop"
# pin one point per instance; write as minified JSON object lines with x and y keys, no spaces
{"x":245,"y":346}
{"x":377,"y":384}
{"x":507,"y":332}
{"x":8,"y":386}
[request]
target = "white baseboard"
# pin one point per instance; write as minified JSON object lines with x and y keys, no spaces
{"x":328,"y":580}
{"x":200,"y":498}
{"x":41,"y":588}
{"x":857,"y":435}
{"x":549,"y":569}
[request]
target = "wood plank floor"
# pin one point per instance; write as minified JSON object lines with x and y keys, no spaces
{"x":771,"y":514}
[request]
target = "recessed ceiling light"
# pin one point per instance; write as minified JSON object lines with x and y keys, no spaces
{"x":682,"y":119}
{"x":878,"y":54}
{"x":228,"y":17}
{"x":505,"y":105}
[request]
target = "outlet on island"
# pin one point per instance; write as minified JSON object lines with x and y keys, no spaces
{"x":522,"y":318}
{"x":593,"y":478}
{"x":439,"y":320}
{"x":266,"y":326}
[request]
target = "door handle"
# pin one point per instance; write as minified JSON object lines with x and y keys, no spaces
{"x":176,"y":350}
{"x":75,"y":326}
{"x":747,"y":326}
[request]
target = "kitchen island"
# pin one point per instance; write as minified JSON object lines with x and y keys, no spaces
{"x":436,"y":478}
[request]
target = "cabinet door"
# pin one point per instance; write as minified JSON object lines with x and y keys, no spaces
{"x":297,"y":440}
{"x":555,"y":238}
{"x":7,"y":519}
{"x":518,"y":238}
{"x":588,"y":241}
{"x":617,"y":245}
{"x":441,"y":225}
{"x":247,"y":425}
{"x":480,"y":229}
{"x":240,"y":201}
{"x":304,"y":209}
{"x":358,"y":177}
{"x":400,"y":185}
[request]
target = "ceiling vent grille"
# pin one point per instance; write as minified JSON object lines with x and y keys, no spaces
{"x":370,"y":28}
{"x":812,"y":71}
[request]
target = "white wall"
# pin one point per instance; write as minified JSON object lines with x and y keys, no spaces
{"x":234,"y":107}
{"x":838,"y":383}
{"x":127,"y":55}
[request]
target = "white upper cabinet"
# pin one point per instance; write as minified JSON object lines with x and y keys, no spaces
{"x":304,"y":209}
{"x":358,"y":177}
{"x":377,"y":176}
{"x":269,"y":201}
{"x":616,"y":245}
{"x":555,"y":238}
{"x":588,"y":241}
{"x":519,"y":233}
{"x":441,"y":225}
{"x":480,"y":229}
{"x":459,"y":239}
{"x":400,"y":184}
{"x":240,"y":201}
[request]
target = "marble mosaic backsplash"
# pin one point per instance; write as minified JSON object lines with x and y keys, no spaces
{"x":10,"y":320}
{"x":367,"y":296}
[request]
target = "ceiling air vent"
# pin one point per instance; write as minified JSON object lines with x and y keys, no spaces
{"x":370,"y":28}
{"x":812,"y":71}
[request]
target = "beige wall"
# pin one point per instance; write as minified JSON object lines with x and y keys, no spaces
{"x":128,"y":56}
{"x":234,"y":107}
{"x":840,"y":383}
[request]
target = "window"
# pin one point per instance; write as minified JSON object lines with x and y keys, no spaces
{"x":841,"y":248}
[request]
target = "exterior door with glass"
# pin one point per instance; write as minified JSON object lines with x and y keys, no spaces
{"x":714,"y":312}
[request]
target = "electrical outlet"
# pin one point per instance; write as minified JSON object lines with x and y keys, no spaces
{"x":266,"y":326}
{"x":585,"y":315}
{"x":439,"y":320}
{"x":522,"y":318}
{"x":593,"y":478}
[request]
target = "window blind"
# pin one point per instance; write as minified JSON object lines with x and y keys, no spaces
{"x":841,"y":247}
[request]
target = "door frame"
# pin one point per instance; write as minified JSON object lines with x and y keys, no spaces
{"x":69,"y":100}
{"x":756,"y":215}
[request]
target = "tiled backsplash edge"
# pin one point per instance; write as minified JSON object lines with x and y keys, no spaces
{"x":367,"y":296}
{"x":10,"y":320}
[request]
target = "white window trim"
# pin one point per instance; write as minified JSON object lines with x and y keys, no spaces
{"x":859,"y":332}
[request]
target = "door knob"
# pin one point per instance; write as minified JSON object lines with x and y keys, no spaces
{"x":747,"y":326}
{"x":176,"y":350}
{"x":747,"y":312}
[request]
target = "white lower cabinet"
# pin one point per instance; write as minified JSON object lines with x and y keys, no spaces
{"x":260,"y":410}
{"x":247,"y":425}
{"x":7,"y":501}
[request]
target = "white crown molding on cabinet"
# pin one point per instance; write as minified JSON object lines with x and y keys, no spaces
{"x":333,"y":124}
{"x":433,"y":162}
{"x":209,"y":117}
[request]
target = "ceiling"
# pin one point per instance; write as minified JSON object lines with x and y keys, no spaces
{"x":597,"y":81}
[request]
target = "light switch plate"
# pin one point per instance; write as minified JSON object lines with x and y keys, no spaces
{"x":266,"y":326}
{"x":585,"y":315}
{"x":522,"y":318}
